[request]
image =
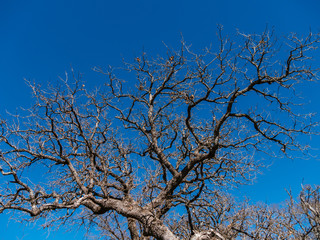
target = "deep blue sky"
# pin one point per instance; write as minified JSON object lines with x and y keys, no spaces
{"x":40,"y":40}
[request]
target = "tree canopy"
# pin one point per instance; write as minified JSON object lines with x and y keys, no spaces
{"x":153,"y":153}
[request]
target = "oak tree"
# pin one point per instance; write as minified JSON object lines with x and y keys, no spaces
{"x":151,"y":155}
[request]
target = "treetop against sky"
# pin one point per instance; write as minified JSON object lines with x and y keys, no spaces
{"x":40,"y":41}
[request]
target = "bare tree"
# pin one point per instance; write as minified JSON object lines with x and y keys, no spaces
{"x":152,"y":156}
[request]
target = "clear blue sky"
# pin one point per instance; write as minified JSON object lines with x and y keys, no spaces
{"x":42,"y":39}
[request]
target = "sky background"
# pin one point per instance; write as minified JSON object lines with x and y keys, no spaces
{"x":40,"y":40}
